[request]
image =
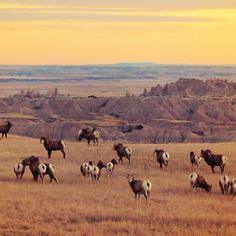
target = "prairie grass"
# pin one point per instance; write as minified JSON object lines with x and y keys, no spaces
{"x":78,"y":207}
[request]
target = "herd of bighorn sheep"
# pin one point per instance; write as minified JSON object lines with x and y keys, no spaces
{"x":94,"y":171}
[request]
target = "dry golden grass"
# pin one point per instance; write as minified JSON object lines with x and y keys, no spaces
{"x":77,"y":207}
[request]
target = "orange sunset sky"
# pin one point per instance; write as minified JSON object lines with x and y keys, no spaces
{"x":98,"y":32}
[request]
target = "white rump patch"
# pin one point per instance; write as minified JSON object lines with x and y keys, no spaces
{"x":110,"y":166}
{"x":166,"y":157}
{"x":147,"y":185}
{"x":80,"y":132}
{"x":95,"y":170}
{"x":51,"y":167}
{"x":224,"y":159}
{"x":18,"y":168}
{"x":224,"y":179}
{"x":96,"y":134}
{"x":128,"y":150}
{"x":89,"y":169}
{"x":42,"y":168}
{"x":192,"y":178}
{"x":63,"y":144}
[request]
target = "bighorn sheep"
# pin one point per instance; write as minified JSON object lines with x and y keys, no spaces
{"x":4,"y":129}
{"x":96,"y":170}
{"x":33,"y":163}
{"x":110,"y":166}
{"x":233,"y":187}
{"x":197,"y":181}
{"x":162,"y":157}
{"x":47,"y":169}
{"x":53,"y":145}
{"x":139,"y":187}
{"x":195,"y":159}
{"x":214,"y":160}
{"x":89,"y":134}
{"x":122,"y":151}
{"x":19,"y":169}
{"x":86,"y":168}
{"x":224,"y":183}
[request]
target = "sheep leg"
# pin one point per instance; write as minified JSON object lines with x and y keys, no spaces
{"x":222,"y":169}
{"x":97,"y":141}
{"x":145,"y":194}
{"x":22,"y":173}
{"x":64,"y":155}
{"x":41,"y":177}
{"x":49,"y":153}
{"x":53,"y":177}
{"x":88,"y":141}
{"x":120,"y":160}
{"x":128,"y":159}
{"x":161,"y":165}
{"x":2,"y":135}
{"x":135,"y":197}
{"x":212,"y":169}
{"x":94,"y":142}
{"x":6,"y":135}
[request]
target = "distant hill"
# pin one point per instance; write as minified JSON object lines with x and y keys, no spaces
{"x":185,"y":111}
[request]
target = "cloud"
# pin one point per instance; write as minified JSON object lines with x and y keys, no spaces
{"x":93,"y":14}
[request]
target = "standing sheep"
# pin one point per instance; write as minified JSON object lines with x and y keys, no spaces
{"x":233,"y":187}
{"x":86,"y":168}
{"x":162,"y":157}
{"x":88,"y":134}
{"x":224,"y":183}
{"x":33,"y":163}
{"x":195,"y":159}
{"x":19,"y":169}
{"x":4,"y":129}
{"x":214,"y":160}
{"x":122,"y":151}
{"x":197,"y":181}
{"x":53,"y":145}
{"x":139,"y":187}
{"x":47,"y":169}
{"x":96,"y":170}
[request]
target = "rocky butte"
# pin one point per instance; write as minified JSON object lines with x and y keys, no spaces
{"x":188,"y":110}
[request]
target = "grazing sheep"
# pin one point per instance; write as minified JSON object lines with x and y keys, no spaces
{"x":195,"y":159}
{"x":33,"y":163}
{"x":4,"y":129}
{"x":96,"y":170}
{"x":86,"y":168}
{"x":233,"y":187}
{"x":89,"y":134}
{"x":162,"y":157}
{"x":53,"y":145}
{"x":224,"y":183}
{"x":47,"y":169}
{"x":197,"y":181}
{"x":19,"y":169}
{"x":139,"y":187}
{"x":214,"y":160}
{"x":122,"y":151}
{"x":110,"y":166}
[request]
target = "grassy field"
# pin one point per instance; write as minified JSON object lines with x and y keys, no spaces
{"x":78,"y":207}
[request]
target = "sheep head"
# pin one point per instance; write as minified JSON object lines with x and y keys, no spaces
{"x":130,"y":177}
{"x":8,"y":123}
{"x":43,"y":140}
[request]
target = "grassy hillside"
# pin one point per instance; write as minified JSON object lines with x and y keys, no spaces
{"x":76,"y":206}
